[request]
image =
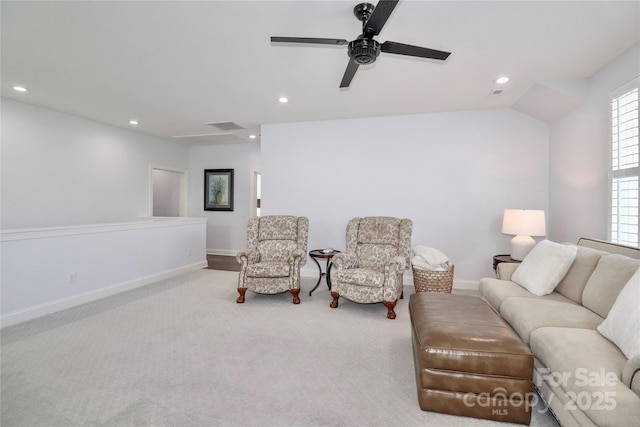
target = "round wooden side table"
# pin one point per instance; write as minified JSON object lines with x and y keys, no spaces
{"x":497,"y":259}
{"x":327,"y":255}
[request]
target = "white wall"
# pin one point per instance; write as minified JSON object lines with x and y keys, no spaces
{"x":453,"y":174}
{"x":59,"y":169}
{"x":579,"y":156}
{"x":226,"y":231}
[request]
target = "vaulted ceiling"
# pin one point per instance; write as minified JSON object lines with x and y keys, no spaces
{"x":176,"y":66}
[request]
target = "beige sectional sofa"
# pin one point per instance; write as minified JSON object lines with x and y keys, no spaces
{"x":583,"y":377}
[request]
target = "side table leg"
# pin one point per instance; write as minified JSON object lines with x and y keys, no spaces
{"x":319,"y":278}
{"x":328,"y":273}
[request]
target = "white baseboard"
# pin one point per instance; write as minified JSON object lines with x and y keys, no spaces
{"x":40,"y":310}
{"x":407,"y":279}
{"x":471,"y":285}
{"x":305,"y":272}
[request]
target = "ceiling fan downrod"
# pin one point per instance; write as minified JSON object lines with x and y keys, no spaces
{"x":363,"y":50}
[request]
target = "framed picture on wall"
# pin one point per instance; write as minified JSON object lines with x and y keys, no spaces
{"x":218,"y":189}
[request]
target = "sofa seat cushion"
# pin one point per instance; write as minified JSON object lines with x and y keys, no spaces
{"x":588,"y":369}
{"x":268,"y":269}
{"x":525,"y":315}
{"x":361,"y":277}
{"x":495,"y":291}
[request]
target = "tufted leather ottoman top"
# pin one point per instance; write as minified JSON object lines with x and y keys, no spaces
{"x":468,"y":361}
{"x":463,"y":333}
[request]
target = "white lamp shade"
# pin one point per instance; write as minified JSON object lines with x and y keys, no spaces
{"x":524,"y":222}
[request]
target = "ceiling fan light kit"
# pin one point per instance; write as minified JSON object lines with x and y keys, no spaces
{"x":364,"y":49}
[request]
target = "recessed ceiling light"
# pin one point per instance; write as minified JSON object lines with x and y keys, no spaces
{"x":283,"y":100}
{"x":133,"y":122}
{"x":20,"y":89}
{"x":252,"y":136}
{"x":502,"y":80}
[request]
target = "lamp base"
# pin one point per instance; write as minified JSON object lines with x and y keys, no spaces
{"x":521,"y":246}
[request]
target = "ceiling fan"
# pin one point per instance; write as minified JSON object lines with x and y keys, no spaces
{"x":364,"y":49}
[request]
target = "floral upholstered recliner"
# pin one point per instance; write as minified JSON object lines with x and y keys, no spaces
{"x":376,"y":256}
{"x":276,"y":249}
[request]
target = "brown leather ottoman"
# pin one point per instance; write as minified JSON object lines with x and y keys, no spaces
{"x":468,"y":360}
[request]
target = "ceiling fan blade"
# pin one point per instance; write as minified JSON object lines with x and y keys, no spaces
{"x":409,"y":50}
{"x":378,"y":18}
{"x":352,"y":67}
{"x":311,"y":40}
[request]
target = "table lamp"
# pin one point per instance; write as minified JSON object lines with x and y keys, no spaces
{"x":523,"y":224}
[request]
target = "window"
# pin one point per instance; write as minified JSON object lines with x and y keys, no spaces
{"x":625,"y":165}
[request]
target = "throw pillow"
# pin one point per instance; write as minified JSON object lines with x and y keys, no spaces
{"x":543,"y":268}
{"x":622,"y":325}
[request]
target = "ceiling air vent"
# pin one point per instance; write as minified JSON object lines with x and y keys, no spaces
{"x":211,"y":138}
{"x":226,"y":126}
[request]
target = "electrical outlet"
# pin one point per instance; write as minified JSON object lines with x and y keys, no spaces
{"x":71,"y":278}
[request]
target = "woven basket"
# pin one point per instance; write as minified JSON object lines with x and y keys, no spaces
{"x":433,"y":281}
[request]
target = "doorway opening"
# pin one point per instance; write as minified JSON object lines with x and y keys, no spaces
{"x":168,"y":192}
{"x":256,"y":194}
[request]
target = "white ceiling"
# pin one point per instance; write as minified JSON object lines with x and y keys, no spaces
{"x":177,"y":65}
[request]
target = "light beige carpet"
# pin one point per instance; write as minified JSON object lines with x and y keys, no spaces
{"x":181,"y":352}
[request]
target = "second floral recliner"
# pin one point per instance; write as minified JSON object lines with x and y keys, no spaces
{"x":372,"y":267}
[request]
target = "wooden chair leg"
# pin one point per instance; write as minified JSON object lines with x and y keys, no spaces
{"x":390,"y":305}
{"x":295,"y":292}
{"x":241,"y":291}
{"x":334,"y":303}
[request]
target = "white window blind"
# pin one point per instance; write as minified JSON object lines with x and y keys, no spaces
{"x":624,"y":174}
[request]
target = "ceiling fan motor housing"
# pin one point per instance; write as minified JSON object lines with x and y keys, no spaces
{"x":364,"y":51}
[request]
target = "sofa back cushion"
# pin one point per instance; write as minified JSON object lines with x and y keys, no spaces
{"x":606,"y":282}
{"x":612,"y":248}
{"x":573,"y":283}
